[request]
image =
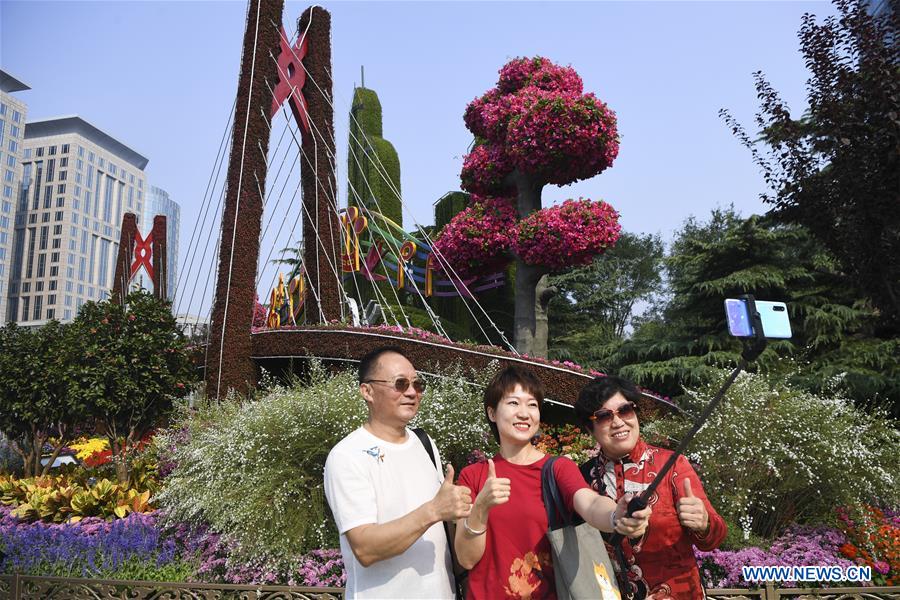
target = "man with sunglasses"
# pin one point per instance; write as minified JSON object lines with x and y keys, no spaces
{"x":387,"y":497}
{"x":662,"y":564}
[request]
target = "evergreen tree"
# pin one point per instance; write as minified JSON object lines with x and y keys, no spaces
{"x":834,"y":331}
{"x":133,"y":363}
{"x":34,"y":403}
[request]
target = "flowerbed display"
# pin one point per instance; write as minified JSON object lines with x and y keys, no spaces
{"x":566,"y":440}
{"x":139,"y":547}
{"x":129,"y":548}
{"x":86,"y":447}
{"x":873,"y":539}
{"x":62,"y":498}
{"x":799,"y":545}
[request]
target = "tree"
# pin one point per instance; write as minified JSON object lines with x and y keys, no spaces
{"x":836,"y":171}
{"x":34,"y":405}
{"x":833,"y":330}
{"x":536,"y":127}
{"x":595,"y":307}
{"x":133,"y":362}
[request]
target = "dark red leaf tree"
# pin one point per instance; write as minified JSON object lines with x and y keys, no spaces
{"x":536,"y":127}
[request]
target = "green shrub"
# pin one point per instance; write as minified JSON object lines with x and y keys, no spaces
{"x":253,"y":471}
{"x":772,"y":454}
{"x":452,"y":412}
{"x":143,"y":570}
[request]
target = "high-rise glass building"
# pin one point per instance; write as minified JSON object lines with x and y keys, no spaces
{"x":12,"y":132}
{"x":77,"y":182}
{"x":158,"y":202}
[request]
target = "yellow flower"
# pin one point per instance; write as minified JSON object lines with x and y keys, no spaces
{"x":89,"y":447}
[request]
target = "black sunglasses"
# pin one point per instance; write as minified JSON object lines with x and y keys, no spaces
{"x":604,"y":416}
{"x":401,"y":384}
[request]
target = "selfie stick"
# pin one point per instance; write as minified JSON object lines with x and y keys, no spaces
{"x":753,"y":347}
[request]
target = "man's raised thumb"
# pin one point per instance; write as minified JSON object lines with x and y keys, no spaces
{"x":687,"y":489}
{"x":492,"y":471}
{"x":448,"y":475}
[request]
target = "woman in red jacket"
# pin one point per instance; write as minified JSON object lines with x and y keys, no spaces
{"x":661,"y":562}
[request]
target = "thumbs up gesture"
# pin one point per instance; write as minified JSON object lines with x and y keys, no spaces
{"x":495,"y":491}
{"x":691,"y":511}
{"x":451,"y":501}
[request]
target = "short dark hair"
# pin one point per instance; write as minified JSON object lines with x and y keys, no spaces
{"x":369,"y":362}
{"x":503,"y":383}
{"x":595,"y":394}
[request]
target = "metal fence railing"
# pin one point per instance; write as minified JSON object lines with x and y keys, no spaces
{"x":24,"y":587}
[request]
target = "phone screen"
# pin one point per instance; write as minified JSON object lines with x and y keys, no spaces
{"x":738,"y":318}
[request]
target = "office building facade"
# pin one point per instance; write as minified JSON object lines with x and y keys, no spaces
{"x":158,"y":202}
{"x":77,"y":182}
{"x":12,"y":131}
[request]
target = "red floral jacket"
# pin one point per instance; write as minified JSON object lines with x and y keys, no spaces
{"x":662,"y":564}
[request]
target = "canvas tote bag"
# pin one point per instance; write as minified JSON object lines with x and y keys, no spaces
{"x":581,"y":565}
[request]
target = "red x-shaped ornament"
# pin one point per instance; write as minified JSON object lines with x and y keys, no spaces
{"x":291,"y":79}
{"x":143,"y":252}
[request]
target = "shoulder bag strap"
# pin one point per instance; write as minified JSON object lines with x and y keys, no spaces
{"x":557,"y":515}
{"x":426,"y":441}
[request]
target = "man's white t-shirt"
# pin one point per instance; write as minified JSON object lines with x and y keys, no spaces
{"x":369,"y":480}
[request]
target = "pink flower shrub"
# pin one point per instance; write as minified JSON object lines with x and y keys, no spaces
{"x":484,"y":171}
{"x":539,"y":121}
{"x":536,"y":124}
{"x":567,"y":234}
{"x":259,"y":313}
{"x":539,"y":72}
{"x":479,"y":237}
{"x":561,"y":137}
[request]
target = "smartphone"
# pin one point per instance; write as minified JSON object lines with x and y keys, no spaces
{"x":773,"y":315}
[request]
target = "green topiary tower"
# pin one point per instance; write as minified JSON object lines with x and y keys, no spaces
{"x":373,"y":177}
{"x":372,"y":160}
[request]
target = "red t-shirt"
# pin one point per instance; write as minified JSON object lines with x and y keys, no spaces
{"x":516,"y":561}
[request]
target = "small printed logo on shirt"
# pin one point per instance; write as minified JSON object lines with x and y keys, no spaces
{"x":376,"y":453}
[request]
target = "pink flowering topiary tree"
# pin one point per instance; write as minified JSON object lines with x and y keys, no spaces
{"x":536,"y":127}
{"x":478,"y":239}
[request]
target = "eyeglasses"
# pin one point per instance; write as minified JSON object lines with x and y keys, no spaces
{"x":604,"y":416}
{"x":401,"y":384}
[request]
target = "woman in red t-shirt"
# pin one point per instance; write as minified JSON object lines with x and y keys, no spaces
{"x":661,"y":562}
{"x":503,"y":540}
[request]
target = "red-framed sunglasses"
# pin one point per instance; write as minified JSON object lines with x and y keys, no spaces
{"x":604,"y":415}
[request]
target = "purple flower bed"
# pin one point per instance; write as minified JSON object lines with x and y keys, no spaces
{"x":88,"y":548}
{"x":138,"y":547}
{"x":318,"y":568}
{"x":798,"y":546}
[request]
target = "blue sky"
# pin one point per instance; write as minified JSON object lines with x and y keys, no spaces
{"x":161,"y":77}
